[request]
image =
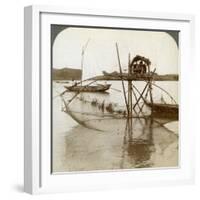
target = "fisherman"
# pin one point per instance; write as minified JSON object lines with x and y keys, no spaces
{"x":135,"y":66}
{"x":142,"y":67}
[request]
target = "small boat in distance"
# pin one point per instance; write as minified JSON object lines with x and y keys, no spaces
{"x":88,"y":88}
{"x":78,"y":87}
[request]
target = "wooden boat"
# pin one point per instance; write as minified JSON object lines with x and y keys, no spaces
{"x":164,"y":110}
{"x":87,"y":88}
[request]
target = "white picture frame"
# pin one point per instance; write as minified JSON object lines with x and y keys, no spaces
{"x":37,"y":138}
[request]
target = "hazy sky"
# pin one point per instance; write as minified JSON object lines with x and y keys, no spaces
{"x":101,"y":55}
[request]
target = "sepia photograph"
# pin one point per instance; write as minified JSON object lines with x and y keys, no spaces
{"x":114,"y":98}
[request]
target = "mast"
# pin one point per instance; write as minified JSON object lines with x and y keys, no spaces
{"x":82,"y":58}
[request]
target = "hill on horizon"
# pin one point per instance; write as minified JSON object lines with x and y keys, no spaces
{"x":66,"y":74}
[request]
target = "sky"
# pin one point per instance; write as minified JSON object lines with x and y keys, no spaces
{"x":100,"y":53}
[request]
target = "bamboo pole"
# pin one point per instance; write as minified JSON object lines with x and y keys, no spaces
{"x":141,"y":95}
{"x":136,"y":100}
{"x":130,"y":88}
{"x":82,"y":58}
{"x":120,"y":69}
{"x":130,"y":97}
{"x":78,"y":93}
{"x":150,"y":86}
{"x":150,"y":92}
{"x":145,"y":97}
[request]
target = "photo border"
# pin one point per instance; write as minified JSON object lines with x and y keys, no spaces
{"x":36,"y":174}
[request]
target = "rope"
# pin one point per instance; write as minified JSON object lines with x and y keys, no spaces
{"x":165,"y":92}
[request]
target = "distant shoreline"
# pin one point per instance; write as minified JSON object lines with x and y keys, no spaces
{"x":66,"y":74}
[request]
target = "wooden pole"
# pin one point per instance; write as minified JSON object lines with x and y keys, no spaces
{"x":82,"y":59}
{"x":130,"y":88}
{"x":129,"y":97}
{"x":130,"y":105}
{"x":150,"y":90}
{"x":121,"y":75}
{"x":136,"y":100}
{"x":128,"y":111}
{"x":141,"y":95}
{"x":78,"y":93}
{"x":145,"y":97}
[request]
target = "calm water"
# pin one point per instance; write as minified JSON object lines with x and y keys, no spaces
{"x":102,"y":143}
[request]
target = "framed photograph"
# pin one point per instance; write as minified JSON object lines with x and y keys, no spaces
{"x":106,"y":99}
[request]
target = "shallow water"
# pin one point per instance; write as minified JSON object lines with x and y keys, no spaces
{"x":110,"y":146}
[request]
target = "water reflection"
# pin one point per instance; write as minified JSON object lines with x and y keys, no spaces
{"x":149,"y":145}
{"x":120,"y":144}
{"x":138,"y":149}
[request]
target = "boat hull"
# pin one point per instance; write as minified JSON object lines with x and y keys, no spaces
{"x":98,"y":88}
{"x":164,"y":110}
